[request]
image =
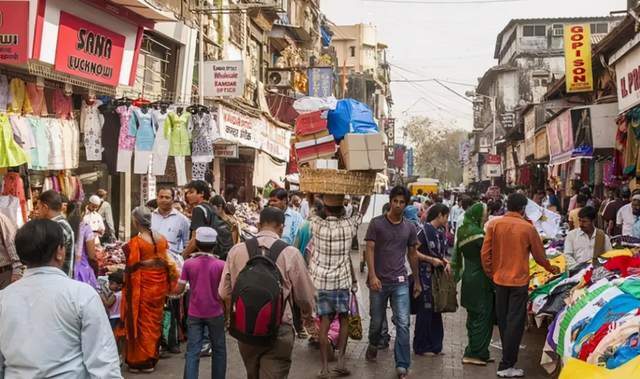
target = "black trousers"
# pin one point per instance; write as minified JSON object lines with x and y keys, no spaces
{"x":511,"y":312}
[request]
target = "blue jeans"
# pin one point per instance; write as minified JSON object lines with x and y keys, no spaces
{"x":400,"y":298}
{"x":195,"y":335}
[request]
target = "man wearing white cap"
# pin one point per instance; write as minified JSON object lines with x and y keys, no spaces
{"x":92,"y":217}
{"x":628,"y":214}
{"x":203,"y":272}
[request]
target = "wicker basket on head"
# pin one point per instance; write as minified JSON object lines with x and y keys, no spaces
{"x":339,"y":182}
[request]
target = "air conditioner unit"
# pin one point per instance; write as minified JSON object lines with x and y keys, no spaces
{"x":558,"y":32}
{"x":279,"y":78}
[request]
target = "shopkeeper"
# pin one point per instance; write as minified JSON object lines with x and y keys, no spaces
{"x":587,"y":241}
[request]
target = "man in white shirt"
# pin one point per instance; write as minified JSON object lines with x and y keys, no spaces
{"x":53,"y":326}
{"x":581,"y":243}
{"x":628,"y":214}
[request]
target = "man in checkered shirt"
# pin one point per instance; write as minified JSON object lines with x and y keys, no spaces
{"x":332,"y":272}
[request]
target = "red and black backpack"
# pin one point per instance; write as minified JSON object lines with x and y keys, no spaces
{"x":257,"y":301}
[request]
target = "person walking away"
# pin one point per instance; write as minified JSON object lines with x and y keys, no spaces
{"x":11,"y":267}
{"x":203,"y":272}
{"x":272,"y":360}
{"x":49,"y":207}
{"x":52,"y":325}
{"x":432,"y":253}
{"x":628,"y":214}
{"x":279,"y":198}
{"x":477,"y":292}
{"x":390,"y":239}
{"x":104,"y":209}
{"x":333,"y":274}
{"x":505,"y":259}
{"x":581,"y":202}
{"x":175,"y":228}
{"x":619,"y":198}
{"x":150,"y":275}
{"x":587,"y":242}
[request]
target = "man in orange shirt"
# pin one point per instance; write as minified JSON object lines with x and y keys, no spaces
{"x":505,"y":259}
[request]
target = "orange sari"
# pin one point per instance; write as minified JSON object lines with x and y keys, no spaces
{"x":149,"y":276}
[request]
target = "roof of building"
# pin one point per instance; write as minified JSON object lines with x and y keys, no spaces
{"x":550,"y":20}
{"x":490,"y":74}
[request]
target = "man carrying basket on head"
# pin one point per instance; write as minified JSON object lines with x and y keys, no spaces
{"x":332,"y":273}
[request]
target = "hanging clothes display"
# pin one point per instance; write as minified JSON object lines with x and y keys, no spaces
{"x":55,"y":137}
{"x":110,"y":136}
{"x":126,"y":142}
{"x":39,"y":155}
{"x":142,"y":128}
{"x":91,"y":121}
{"x":202,"y":144}
{"x":62,"y":104}
{"x":176,"y":130}
{"x":11,"y":154}
{"x":161,"y":143}
{"x":13,"y":185}
{"x":10,"y":207}
{"x":22,"y":133}
{"x":18,"y":100}
{"x":4,"y":93}
{"x":35,"y":94}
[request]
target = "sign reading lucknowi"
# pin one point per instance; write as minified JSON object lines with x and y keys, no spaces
{"x":223,"y":79}
{"x":14,"y":31}
{"x":577,"y":58}
{"x":88,"y":51}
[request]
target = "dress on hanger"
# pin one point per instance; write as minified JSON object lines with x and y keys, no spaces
{"x":62,"y":104}
{"x":91,"y":122}
{"x":18,"y":100}
{"x":40,"y":155}
{"x":126,"y":142}
{"x":22,"y":133}
{"x":161,"y":144}
{"x":176,"y":130}
{"x":11,"y":154}
{"x":56,"y":142}
{"x":35,"y":95}
{"x":13,"y":185}
{"x":110,"y":133}
{"x":142,"y":128}
{"x":202,"y":146}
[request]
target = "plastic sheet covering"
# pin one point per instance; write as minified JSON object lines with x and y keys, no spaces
{"x":351,"y":116}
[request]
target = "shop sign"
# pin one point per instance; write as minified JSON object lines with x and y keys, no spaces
{"x":88,"y":51}
{"x":508,"y":119}
{"x":492,"y":159}
{"x":14,"y":31}
{"x":320,"y":81}
{"x":542,"y":146}
{"x":389,"y":125}
{"x":235,"y":127}
{"x":581,"y":127}
{"x":223,"y":79}
{"x":226,"y":151}
{"x":560,"y":137}
{"x":276,"y":142}
{"x":628,"y":74}
{"x":577,"y":57}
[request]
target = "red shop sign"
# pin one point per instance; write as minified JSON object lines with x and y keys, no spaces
{"x":88,"y":50}
{"x":493,"y":159}
{"x":14,"y":31}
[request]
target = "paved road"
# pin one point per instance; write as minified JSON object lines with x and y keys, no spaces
{"x":306,"y":359}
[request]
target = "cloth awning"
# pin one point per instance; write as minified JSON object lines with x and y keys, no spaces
{"x":146,"y":9}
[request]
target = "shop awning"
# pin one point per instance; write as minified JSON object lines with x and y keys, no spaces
{"x":146,"y":9}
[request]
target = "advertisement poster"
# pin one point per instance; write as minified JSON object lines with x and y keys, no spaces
{"x":577,"y":58}
{"x":581,"y":127}
{"x":320,"y":81}
{"x":14,"y":32}
{"x":88,"y":51}
{"x":223,"y":79}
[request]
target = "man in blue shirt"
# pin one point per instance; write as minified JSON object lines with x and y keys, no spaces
{"x":279,"y":198}
{"x":175,"y":227}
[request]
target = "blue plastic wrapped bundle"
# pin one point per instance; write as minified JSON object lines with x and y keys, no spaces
{"x":351,"y":116}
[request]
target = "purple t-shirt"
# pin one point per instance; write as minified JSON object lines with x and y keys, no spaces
{"x":203,"y":274}
{"x":391,"y":243}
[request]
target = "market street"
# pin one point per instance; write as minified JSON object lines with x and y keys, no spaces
{"x":306,"y":363}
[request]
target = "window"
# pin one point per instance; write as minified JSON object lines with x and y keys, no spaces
{"x":600,"y":28}
{"x":534,"y":31}
{"x":352,"y":51}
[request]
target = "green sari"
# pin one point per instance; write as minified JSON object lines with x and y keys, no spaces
{"x":477,"y":290}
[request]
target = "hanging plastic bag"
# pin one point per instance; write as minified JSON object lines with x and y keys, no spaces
{"x":355,"y":321}
{"x":310,"y":104}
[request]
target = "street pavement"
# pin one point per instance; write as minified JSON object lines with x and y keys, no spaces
{"x":306,"y":359}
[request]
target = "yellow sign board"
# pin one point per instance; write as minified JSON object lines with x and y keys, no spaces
{"x":577,"y":58}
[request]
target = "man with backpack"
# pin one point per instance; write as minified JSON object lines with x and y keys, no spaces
{"x":261,"y":278}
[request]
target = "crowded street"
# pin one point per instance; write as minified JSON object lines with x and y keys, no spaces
{"x":272,"y":189}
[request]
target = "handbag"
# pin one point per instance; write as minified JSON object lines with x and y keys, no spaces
{"x":445,"y":294}
{"x":355,"y":321}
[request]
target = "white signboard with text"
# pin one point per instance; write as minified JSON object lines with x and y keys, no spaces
{"x":223,"y":79}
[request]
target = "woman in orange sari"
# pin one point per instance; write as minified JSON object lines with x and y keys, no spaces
{"x":149,"y":276}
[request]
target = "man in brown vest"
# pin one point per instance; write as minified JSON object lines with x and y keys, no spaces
{"x":586,"y":242}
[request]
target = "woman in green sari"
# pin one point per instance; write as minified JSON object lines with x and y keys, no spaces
{"x":477,"y":290}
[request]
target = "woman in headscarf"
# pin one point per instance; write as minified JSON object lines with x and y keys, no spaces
{"x":149,"y":276}
{"x":477,"y":289}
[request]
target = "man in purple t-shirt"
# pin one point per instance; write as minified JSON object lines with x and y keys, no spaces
{"x":203,"y":272}
{"x":390,"y":239}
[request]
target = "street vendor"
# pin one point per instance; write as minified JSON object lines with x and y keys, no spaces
{"x":586,"y":242}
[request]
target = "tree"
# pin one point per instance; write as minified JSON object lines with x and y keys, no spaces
{"x":436,"y":149}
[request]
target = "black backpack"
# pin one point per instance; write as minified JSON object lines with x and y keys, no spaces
{"x":224,"y":241}
{"x":257,"y":301}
